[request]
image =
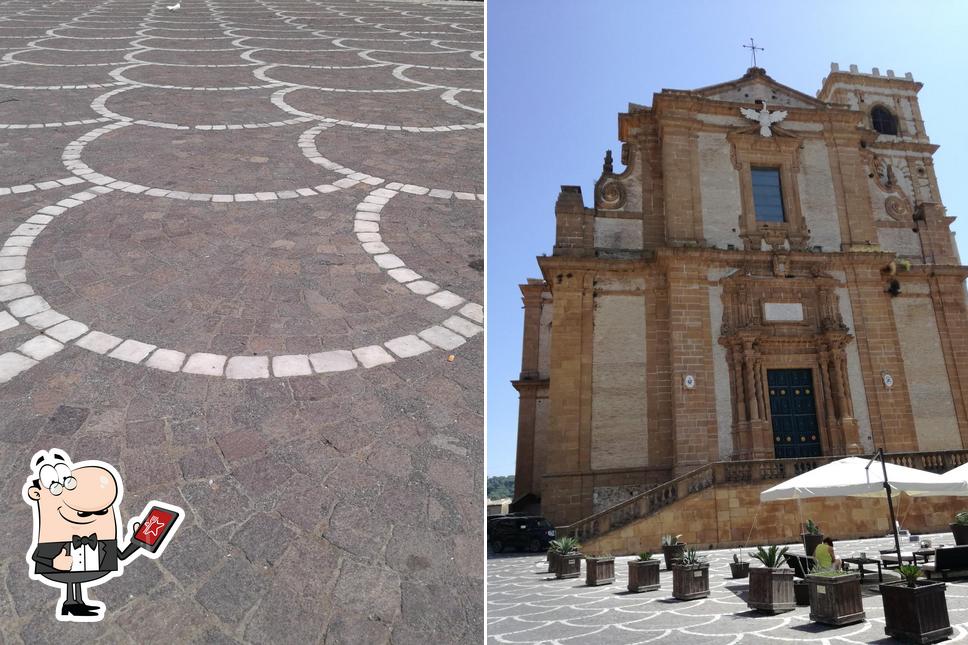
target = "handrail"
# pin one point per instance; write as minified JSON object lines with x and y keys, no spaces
{"x":649,"y":502}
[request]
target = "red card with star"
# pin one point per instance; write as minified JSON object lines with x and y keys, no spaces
{"x":154,"y":528}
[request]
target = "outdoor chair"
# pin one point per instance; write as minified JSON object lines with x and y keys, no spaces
{"x":946,"y":561}
{"x":801,"y":564}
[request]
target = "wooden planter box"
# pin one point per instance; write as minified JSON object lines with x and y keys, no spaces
{"x":690,"y":581}
{"x":836,"y":600}
{"x":739,"y":569}
{"x":771,"y":590}
{"x":811,"y":542}
{"x":643,"y":575}
{"x":672,"y":552}
{"x":599,"y":571}
{"x":568,"y":565}
{"x":916,"y":614}
{"x":801,"y":592}
{"x":960,"y":533}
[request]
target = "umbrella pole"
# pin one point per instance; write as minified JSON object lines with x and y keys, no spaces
{"x":890,"y":508}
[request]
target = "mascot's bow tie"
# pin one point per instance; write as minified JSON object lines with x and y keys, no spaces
{"x":90,"y":540}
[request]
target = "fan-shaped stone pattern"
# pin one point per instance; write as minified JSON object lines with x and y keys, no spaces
{"x":192,"y":238}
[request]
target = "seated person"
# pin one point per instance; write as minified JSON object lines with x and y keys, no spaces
{"x":825,"y":556}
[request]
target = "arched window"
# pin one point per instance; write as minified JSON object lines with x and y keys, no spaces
{"x":883,"y":121}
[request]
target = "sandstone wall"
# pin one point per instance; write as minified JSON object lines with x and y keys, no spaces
{"x":726,"y":516}
{"x":719,"y":186}
{"x":619,"y":421}
{"x":924,"y":365}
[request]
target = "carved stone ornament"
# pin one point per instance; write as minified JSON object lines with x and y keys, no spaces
{"x":898,"y":208}
{"x":765,"y":118}
{"x":883,"y":172}
{"x":611,"y":195}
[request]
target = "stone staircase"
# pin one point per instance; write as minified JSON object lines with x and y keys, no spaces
{"x":767,"y":471}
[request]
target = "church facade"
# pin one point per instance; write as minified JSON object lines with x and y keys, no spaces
{"x":771,"y":276}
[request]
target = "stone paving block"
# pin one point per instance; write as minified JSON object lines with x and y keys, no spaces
{"x":291,"y":365}
{"x":403,"y":275}
{"x":442,"y":337}
{"x":15,"y":292}
{"x":67,"y":331}
{"x":40,"y":347}
{"x":334,"y":361}
{"x":462,"y":326}
{"x":132,"y":351}
{"x":372,"y":356}
{"x":422,"y":287}
{"x":445,"y":299}
{"x":473,"y":311}
{"x":167,"y":360}
{"x":12,"y":364}
{"x":99,"y":342}
{"x":45,"y":319}
{"x":7,"y":321}
{"x":27,"y":306}
{"x":407,"y":346}
{"x":204,"y":363}
{"x":246,"y":367}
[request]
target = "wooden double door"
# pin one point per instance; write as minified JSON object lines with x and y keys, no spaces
{"x":794,"y":413}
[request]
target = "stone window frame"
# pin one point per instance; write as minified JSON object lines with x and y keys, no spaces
{"x":781,"y":151}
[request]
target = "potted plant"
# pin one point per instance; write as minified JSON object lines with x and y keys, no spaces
{"x":960,"y":528}
{"x":915,"y":610}
{"x":672,"y":549}
{"x":643,"y":573}
{"x":566,"y":557}
{"x":835,"y":597}
{"x":771,"y":588}
{"x":739,"y":568}
{"x":690,"y":576}
{"x":812,"y":537}
{"x":599,"y":570}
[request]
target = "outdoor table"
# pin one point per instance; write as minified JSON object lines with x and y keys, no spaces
{"x":860,"y":562}
{"x":889,"y":558}
{"x":924,"y":553}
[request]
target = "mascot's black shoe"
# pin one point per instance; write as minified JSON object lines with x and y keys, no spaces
{"x":78,"y":609}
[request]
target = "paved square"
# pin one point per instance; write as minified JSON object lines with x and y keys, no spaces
{"x":241,"y":254}
{"x":527,"y":605}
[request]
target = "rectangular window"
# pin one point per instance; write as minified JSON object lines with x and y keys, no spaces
{"x":767,"y":198}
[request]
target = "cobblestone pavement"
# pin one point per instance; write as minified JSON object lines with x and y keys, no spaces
{"x":527,"y":605}
{"x":241,"y":259}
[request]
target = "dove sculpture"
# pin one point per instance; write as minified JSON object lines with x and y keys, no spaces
{"x":765,"y":118}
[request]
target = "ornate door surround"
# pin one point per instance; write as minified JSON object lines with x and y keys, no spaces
{"x":810,"y":334}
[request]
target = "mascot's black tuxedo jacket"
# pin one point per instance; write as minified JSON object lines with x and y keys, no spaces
{"x":107,"y":551}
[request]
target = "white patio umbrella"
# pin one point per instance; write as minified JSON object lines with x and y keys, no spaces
{"x":857,"y":477}
{"x":959,"y":473}
{"x":850,"y":477}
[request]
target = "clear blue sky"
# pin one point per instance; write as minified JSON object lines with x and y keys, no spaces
{"x":560,"y":71}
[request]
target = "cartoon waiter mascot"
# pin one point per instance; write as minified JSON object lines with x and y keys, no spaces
{"x":76,"y":520}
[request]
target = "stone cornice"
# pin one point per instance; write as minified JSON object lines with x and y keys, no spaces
{"x":868,"y":80}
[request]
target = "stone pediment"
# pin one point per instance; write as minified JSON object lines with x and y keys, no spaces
{"x":754,"y":86}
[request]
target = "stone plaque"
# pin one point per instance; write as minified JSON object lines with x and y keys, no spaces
{"x":782,"y":312}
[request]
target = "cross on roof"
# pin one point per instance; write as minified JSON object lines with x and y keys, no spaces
{"x":752,"y":47}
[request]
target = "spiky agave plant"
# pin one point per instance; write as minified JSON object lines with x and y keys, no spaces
{"x":564,"y":545}
{"x":772,"y":557}
{"x":691,"y":557}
